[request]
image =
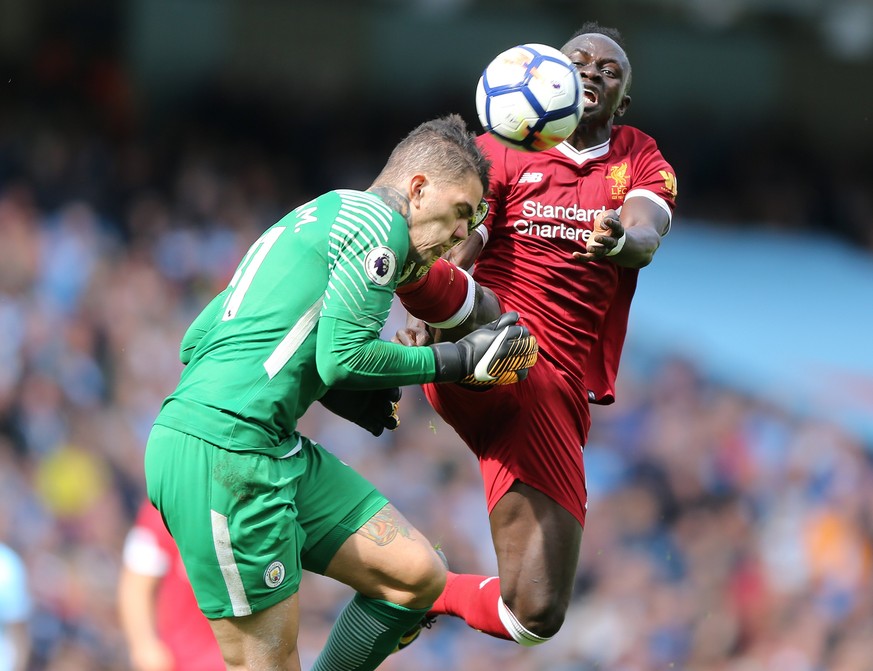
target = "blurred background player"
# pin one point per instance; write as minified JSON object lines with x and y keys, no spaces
{"x":571,"y":278}
{"x":163,"y":627}
{"x":250,"y":501}
{"x":15,"y":610}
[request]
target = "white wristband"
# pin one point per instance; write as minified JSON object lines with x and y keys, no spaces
{"x":483,"y":232}
{"x":618,"y":245}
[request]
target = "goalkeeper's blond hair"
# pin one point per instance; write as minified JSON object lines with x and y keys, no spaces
{"x":442,"y":147}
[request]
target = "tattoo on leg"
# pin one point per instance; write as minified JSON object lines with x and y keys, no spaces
{"x":385,"y":526}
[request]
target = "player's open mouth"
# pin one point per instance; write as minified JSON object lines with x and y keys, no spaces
{"x":590,"y":96}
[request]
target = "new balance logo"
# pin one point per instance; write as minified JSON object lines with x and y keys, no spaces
{"x":531,"y":178}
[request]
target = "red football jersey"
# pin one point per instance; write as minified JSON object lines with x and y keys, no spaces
{"x":541,"y":209}
{"x":151,"y":550}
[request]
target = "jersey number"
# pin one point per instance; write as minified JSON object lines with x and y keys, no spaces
{"x":245,"y":273}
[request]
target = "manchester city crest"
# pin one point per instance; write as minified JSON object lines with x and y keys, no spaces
{"x":274,"y":575}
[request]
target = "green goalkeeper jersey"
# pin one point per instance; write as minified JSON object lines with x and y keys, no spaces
{"x":303,"y":312}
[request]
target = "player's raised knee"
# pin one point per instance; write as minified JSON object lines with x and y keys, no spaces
{"x":422,"y":580}
{"x":532,"y":624}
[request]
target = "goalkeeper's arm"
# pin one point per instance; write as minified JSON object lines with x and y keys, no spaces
{"x":200,"y":326}
{"x":349,"y":357}
{"x":352,"y":358}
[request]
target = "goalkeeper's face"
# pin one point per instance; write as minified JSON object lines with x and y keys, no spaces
{"x":440,"y":215}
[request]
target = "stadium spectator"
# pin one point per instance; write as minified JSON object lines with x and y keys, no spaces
{"x":15,"y":608}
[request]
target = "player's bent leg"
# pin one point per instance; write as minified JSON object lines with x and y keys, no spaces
{"x":245,"y":576}
{"x":537,"y":543}
{"x":266,"y":640}
{"x":426,"y":622}
{"x":397,"y":575}
{"x":388,"y":558}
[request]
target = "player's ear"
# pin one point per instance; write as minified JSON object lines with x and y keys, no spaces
{"x":622,"y":106}
{"x":416,"y":187}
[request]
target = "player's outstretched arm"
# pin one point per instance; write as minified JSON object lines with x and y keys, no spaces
{"x":630,"y":240}
{"x":349,"y":357}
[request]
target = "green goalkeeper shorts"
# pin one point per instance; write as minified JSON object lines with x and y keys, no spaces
{"x":247,"y":524}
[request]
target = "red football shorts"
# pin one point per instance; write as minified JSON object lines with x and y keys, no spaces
{"x":532,"y":431}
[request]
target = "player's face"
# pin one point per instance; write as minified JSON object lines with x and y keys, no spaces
{"x":440,"y":216}
{"x":605,"y":70}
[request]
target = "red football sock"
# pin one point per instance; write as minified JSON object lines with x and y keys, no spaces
{"x":473,"y":598}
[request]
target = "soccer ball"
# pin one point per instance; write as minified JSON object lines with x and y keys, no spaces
{"x":530,"y":97}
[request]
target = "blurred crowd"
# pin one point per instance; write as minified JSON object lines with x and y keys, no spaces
{"x":724,"y":533}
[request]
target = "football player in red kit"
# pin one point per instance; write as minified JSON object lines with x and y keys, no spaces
{"x":162,"y":624}
{"x":565,"y":235}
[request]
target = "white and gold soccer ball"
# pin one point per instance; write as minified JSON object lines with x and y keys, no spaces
{"x":530,"y":97}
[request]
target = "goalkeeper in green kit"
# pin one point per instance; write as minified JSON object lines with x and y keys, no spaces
{"x":251,"y":502}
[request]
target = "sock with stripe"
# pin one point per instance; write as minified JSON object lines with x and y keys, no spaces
{"x":475,"y":599}
{"x":366,"y":632}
